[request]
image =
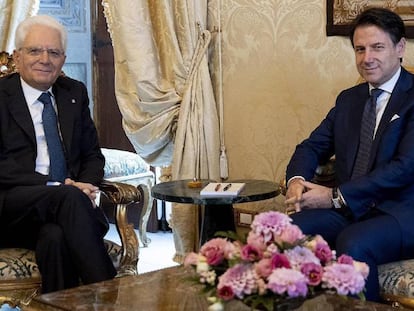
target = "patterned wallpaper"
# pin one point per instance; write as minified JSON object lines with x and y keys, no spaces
{"x":281,"y":75}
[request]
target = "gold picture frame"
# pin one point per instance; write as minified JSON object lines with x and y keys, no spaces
{"x":341,"y":13}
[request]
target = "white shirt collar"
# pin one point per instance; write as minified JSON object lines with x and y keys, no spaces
{"x":390,"y":84}
{"x":30,"y":93}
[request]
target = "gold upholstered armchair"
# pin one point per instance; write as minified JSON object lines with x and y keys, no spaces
{"x":20,"y":279}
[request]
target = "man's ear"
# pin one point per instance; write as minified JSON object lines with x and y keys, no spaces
{"x":401,"y":47}
{"x":16,"y":58}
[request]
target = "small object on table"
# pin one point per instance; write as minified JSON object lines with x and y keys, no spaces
{"x":227,"y":187}
{"x":195,"y":183}
{"x":217,"y":190}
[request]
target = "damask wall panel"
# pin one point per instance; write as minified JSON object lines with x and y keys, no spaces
{"x":281,"y":75}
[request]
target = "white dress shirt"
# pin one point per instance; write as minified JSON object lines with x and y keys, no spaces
{"x":36,"y":108}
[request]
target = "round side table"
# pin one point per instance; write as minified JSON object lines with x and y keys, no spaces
{"x":216,"y":213}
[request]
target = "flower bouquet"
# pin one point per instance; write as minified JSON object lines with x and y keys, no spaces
{"x":276,"y":264}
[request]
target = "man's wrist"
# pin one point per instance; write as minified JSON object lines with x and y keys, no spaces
{"x":294,"y":179}
{"x":339,"y":204}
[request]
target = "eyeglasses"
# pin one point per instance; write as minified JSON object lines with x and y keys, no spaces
{"x":37,"y":51}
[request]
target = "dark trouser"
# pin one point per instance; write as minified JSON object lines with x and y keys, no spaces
{"x":375,"y":240}
{"x":59,"y":223}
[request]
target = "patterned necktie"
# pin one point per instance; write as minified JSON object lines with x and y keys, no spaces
{"x":57,"y":168}
{"x":367,"y":135}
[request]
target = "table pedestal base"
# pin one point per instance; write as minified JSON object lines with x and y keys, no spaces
{"x":216,"y":218}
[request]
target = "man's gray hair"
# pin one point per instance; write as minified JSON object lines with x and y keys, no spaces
{"x":24,"y":27}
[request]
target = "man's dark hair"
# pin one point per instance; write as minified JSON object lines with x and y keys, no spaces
{"x":385,"y":19}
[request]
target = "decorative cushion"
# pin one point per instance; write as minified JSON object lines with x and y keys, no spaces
{"x":17,"y":263}
{"x":397,"y":278}
{"x":121,"y":163}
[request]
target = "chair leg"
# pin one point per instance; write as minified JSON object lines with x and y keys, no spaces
{"x":399,"y":302}
{"x":145,"y":214}
{"x":129,"y":240}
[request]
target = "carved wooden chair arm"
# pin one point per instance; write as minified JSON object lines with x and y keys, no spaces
{"x":121,"y":195}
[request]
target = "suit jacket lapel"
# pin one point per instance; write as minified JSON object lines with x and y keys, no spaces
{"x":395,"y":102}
{"x":65,"y":114}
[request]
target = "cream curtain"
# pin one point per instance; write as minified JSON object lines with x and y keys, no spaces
{"x":12,"y":12}
{"x":164,"y":92}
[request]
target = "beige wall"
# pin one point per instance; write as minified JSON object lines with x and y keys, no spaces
{"x":281,"y":75}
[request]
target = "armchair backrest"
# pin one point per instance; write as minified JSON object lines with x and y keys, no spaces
{"x":7,"y":65}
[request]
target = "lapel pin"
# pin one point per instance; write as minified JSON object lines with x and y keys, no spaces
{"x":73,"y":101}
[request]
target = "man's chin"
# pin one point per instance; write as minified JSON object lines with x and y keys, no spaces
{"x":372,"y":78}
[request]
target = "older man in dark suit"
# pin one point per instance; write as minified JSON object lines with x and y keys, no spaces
{"x":48,"y":185}
{"x":369,"y":215}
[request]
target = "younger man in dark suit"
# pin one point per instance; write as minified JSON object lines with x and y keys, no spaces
{"x":369,"y":214}
{"x":47,"y":189}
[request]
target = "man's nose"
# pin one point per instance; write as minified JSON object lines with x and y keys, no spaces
{"x":44,"y":56}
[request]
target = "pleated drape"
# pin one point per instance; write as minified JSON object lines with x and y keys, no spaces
{"x":165,"y":95}
{"x":12,"y":12}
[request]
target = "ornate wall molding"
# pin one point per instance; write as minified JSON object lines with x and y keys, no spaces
{"x":341,"y":13}
{"x":71,"y":13}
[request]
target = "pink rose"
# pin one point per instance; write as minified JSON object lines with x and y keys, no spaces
{"x":264,"y":267}
{"x":345,"y":259}
{"x":313,"y":272}
{"x":256,"y":240}
{"x":290,"y":234}
{"x":225,"y":293}
{"x":323,"y":252}
{"x":191,"y":259}
{"x":251,"y":253}
{"x":214,"y":251}
{"x":280,"y":261}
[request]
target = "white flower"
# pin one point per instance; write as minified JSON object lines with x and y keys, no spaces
{"x":362,"y":268}
{"x":217,"y":306}
{"x":202,"y":267}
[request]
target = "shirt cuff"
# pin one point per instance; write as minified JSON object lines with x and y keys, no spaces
{"x":292,"y":178}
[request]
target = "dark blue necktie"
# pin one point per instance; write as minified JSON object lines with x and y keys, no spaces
{"x":57,"y":168}
{"x":369,"y":118}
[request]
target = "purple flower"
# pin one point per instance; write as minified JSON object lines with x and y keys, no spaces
{"x":299,"y":255}
{"x":288,"y":281}
{"x":313,"y":272}
{"x":344,"y":278}
{"x":241,"y":279}
{"x":270,"y":224}
{"x":278,"y":260}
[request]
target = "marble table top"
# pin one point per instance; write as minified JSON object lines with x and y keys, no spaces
{"x":166,"y":290}
{"x":178,"y":191}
